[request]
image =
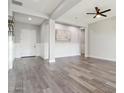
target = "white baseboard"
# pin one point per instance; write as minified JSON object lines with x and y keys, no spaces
{"x":113,"y":60}
{"x":78,"y":54}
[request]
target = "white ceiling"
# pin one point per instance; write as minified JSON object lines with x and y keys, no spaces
{"x":43,"y":6}
{"x":77,"y":15}
{"x":64,"y":11}
{"x":40,"y":8}
{"x":24,"y":19}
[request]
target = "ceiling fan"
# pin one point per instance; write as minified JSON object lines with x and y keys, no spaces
{"x":99,"y":13}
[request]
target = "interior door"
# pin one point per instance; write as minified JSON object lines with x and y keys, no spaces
{"x":28,"y":43}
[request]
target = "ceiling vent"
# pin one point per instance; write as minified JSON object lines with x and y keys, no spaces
{"x":17,"y":2}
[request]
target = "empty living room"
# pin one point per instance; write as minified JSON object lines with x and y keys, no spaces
{"x":62,"y":46}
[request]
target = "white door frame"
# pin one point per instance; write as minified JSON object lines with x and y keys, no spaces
{"x":86,"y":41}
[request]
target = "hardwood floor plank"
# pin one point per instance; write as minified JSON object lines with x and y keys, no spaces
{"x":67,"y":75}
{"x":82,"y":82}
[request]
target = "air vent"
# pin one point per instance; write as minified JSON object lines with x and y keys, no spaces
{"x":17,"y":2}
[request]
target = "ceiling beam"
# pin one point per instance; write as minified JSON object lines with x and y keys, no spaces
{"x":19,"y":9}
{"x":64,"y":7}
{"x":68,"y":24}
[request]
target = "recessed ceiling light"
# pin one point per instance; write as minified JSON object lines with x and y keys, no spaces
{"x":29,"y":18}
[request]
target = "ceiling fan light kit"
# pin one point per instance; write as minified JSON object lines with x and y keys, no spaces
{"x":98,"y":16}
{"x":99,"y":13}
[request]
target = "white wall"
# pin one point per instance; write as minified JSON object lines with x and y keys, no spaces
{"x":18,"y":28}
{"x":102,"y":39}
{"x":72,"y":48}
{"x":62,"y":49}
{"x":44,"y":39}
{"x":10,"y":52}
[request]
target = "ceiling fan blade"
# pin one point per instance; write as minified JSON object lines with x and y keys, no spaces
{"x":90,"y":13}
{"x":103,"y":15}
{"x":96,"y":8}
{"x":106,"y":11}
{"x":95,"y":16}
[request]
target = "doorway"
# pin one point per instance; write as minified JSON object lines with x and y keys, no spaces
{"x":28,"y":43}
{"x":82,"y":42}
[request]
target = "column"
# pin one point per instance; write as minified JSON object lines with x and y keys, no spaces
{"x":51,"y":41}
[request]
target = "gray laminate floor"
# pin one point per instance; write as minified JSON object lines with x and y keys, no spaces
{"x":67,"y":75}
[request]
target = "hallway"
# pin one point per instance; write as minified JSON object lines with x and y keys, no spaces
{"x":66,"y":75}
